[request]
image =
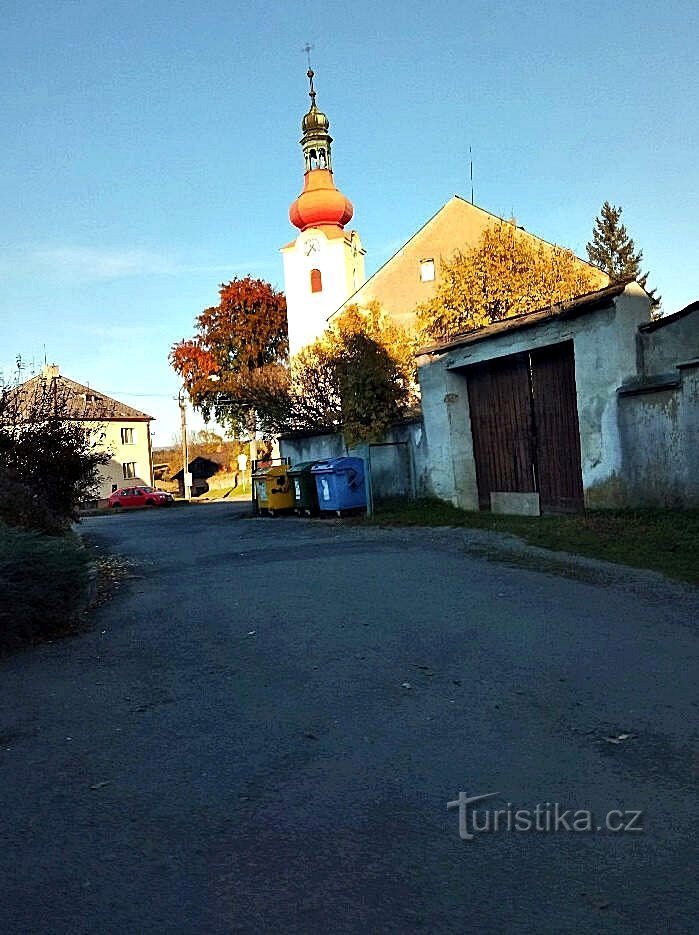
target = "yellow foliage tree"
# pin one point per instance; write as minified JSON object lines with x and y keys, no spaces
{"x":505,"y":274}
{"x":359,"y":375}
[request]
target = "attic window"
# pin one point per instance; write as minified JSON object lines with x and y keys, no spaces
{"x":91,"y":398}
{"x":426,"y":270}
{"x":316,"y":281}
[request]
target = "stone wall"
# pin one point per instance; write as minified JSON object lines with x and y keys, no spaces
{"x":605,"y":348}
{"x":400,"y":465}
{"x":637,"y":399}
{"x":659,"y":430}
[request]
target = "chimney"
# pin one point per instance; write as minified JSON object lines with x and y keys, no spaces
{"x":50,"y":371}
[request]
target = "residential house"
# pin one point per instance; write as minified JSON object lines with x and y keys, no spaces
{"x":112,"y":426}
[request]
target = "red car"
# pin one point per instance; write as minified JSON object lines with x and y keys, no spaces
{"x":140,"y":496}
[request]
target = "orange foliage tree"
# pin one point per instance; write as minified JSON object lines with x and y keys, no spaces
{"x":359,"y":376}
{"x":235,"y":366}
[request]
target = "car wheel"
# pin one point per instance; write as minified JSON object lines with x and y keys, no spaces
{"x":150,"y":502}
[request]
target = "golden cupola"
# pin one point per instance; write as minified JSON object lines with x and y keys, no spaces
{"x":320,"y":204}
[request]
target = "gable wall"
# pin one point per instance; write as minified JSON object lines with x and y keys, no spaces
{"x":397,"y":285}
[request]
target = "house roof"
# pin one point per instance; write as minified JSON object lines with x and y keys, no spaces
{"x":84,"y":403}
{"x":570,"y":309}
{"x":458,"y":224}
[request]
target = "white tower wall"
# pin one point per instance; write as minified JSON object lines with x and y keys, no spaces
{"x":339,"y":257}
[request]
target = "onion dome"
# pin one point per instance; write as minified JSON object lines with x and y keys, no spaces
{"x":320,"y":203}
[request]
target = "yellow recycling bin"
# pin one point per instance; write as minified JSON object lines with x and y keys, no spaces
{"x":259,"y":488}
{"x":275,"y":492}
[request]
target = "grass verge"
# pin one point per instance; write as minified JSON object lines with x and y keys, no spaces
{"x":662,"y":540}
{"x":43,"y":585}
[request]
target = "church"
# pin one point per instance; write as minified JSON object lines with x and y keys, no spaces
{"x":587,"y":403}
{"x":324,"y":267}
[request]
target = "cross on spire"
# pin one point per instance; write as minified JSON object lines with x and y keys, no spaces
{"x":308,"y":48}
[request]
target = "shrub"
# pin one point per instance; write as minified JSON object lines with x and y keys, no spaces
{"x":43,"y":585}
{"x":48,"y":464}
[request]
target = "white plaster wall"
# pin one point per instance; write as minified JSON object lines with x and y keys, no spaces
{"x":605,"y":348}
{"x":341,"y":264}
{"x":312,"y":447}
{"x":332,"y":445}
{"x":107,"y":437}
{"x":654,"y":466}
{"x":666,"y":346}
{"x":434,"y":390}
{"x":689,"y":426}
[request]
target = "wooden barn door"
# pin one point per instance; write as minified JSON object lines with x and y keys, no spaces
{"x":555,"y":410}
{"x":499,"y":397}
{"x":524,"y":424}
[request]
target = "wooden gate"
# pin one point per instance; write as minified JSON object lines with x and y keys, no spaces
{"x":524,"y":423}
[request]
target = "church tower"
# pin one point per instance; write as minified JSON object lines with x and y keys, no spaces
{"x":325,"y":264}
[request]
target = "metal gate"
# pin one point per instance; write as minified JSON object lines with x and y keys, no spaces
{"x":524,"y":422}
{"x":391,"y":471}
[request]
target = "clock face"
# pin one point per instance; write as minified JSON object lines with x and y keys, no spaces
{"x":311,"y":246}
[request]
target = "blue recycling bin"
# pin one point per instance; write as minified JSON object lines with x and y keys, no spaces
{"x":340,"y":484}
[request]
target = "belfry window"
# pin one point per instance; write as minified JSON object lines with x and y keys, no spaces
{"x":316,"y":281}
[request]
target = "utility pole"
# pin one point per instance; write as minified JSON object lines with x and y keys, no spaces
{"x":186,"y":476}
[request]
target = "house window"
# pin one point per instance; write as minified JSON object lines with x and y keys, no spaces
{"x":316,"y":281}
{"x":129,"y":469}
{"x":426,"y":270}
{"x":127,"y":437}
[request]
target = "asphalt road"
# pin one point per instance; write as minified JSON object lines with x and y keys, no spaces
{"x":262,"y":730}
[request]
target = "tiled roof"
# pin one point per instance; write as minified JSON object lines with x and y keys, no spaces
{"x":84,"y":403}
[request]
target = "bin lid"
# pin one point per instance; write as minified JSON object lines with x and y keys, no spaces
{"x":303,"y":467}
{"x":260,"y":472}
{"x":337,"y":465}
{"x":277,"y":470}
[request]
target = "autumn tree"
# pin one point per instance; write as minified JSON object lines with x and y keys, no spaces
{"x":613,"y":251}
{"x":506,"y":273}
{"x":235,"y":366}
{"x":358,"y":376}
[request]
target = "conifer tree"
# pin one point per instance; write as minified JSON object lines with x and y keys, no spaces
{"x":612,"y":250}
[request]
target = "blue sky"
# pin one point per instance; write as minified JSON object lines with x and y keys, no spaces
{"x":150,"y":151}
